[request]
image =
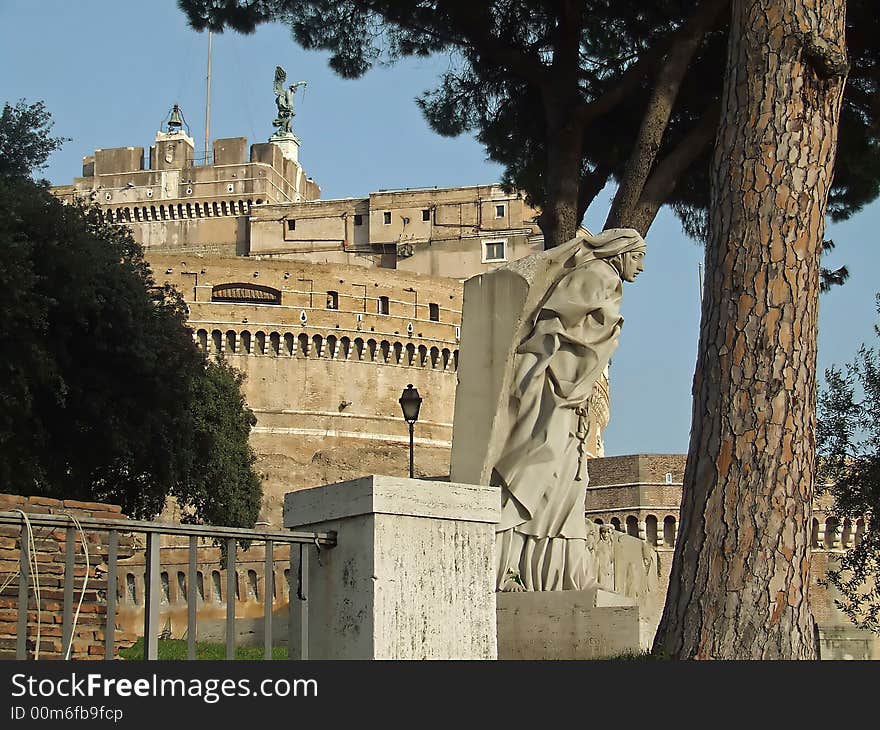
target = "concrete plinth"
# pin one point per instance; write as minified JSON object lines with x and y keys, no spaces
{"x":289,"y":146}
{"x":589,"y":624}
{"x":412,"y":574}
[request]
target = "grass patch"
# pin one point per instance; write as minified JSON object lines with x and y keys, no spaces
{"x":175,"y":649}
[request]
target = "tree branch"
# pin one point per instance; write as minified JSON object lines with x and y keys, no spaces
{"x":659,"y":109}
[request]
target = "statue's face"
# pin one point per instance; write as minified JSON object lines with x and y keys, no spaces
{"x":632,"y":263}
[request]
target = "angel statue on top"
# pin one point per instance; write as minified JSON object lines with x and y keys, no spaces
{"x":284,"y":102}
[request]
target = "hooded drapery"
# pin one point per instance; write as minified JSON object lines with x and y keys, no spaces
{"x":541,"y":536}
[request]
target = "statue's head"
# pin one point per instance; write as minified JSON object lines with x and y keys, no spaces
{"x":622,"y":248}
{"x":630,"y":264}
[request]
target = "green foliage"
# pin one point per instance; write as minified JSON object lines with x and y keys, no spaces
{"x":848,"y":438}
{"x":103,"y":394}
{"x":25,"y":144}
{"x":221,"y":486}
{"x":499,"y":50}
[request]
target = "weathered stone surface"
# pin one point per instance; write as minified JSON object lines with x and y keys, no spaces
{"x":412,"y":577}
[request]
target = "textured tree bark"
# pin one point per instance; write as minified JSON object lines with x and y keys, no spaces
{"x":559,"y":219}
{"x":740,"y":575}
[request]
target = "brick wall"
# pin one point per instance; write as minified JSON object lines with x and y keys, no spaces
{"x":88,"y":638}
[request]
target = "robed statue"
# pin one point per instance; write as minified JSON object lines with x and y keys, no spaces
{"x":284,"y":102}
{"x":528,"y":441}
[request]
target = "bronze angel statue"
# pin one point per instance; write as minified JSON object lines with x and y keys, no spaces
{"x":284,"y":102}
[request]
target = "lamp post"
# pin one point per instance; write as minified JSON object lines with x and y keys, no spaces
{"x":410,"y":402}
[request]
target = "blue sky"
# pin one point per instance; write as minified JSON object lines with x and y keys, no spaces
{"x":110,"y":71}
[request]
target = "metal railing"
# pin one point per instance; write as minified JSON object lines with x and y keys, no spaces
{"x":298,"y":543}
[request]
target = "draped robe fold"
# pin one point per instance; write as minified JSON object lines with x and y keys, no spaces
{"x":542,"y":532}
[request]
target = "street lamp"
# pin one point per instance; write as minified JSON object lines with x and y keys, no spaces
{"x":410,"y":402}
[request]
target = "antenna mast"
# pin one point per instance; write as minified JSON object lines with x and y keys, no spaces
{"x":208,"y":105}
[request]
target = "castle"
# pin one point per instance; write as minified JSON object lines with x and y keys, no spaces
{"x":332,"y":307}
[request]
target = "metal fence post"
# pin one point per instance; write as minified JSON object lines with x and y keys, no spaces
{"x":151,"y":597}
{"x":110,"y":626}
{"x":69,"y":570}
{"x":231,"y":584}
{"x":24,"y":568}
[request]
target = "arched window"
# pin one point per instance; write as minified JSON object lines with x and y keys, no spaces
{"x":253,"y":592}
{"x":200,"y":584}
{"x":181,"y":586}
{"x":245,"y":293}
{"x":445,"y":355}
{"x":202,"y":339}
{"x":371,"y":350}
{"x":260,"y":343}
{"x":632,"y":526}
{"x":165,"y":596}
{"x":651,"y":529}
{"x":435,"y":356}
{"x":598,"y":520}
{"x":411,"y":354}
{"x":131,"y":587}
{"x":217,"y":339}
{"x":318,"y":343}
{"x":846,"y":533}
{"x":615,"y":523}
{"x":669,"y":531}
{"x":344,"y":348}
{"x":423,"y":356}
{"x":230,"y":342}
{"x":830,"y":532}
{"x":302,"y":349}
{"x":245,"y":342}
{"x":385,"y":351}
{"x":275,"y":344}
{"x":288,"y":343}
{"x":217,"y":586}
{"x":331,"y":347}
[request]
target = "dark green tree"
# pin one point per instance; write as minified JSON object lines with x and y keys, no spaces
{"x":222,"y":486}
{"x":25,"y":144}
{"x":848,"y":440}
{"x":568,"y":94}
{"x":101,"y":385}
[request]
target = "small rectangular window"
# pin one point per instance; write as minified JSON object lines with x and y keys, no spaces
{"x":358,"y":219}
{"x":387,"y":217}
{"x":291,"y":224}
{"x":426,"y":214}
{"x":434,"y":312}
{"x":494,"y":251}
{"x":332,"y":300}
{"x":499,"y":211}
{"x":383,"y":306}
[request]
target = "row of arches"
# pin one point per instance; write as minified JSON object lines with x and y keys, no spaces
{"x":249,"y":586}
{"x":177,"y":211}
{"x":832,"y":534}
{"x":303,"y":345}
{"x":652,"y":530}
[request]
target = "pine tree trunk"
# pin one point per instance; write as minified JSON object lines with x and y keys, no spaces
{"x":740,"y":575}
{"x":559,"y":218}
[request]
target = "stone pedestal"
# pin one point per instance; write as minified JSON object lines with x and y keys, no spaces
{"x":412,"y":575}
{"x":591,"y":624}
{"x":289,"y":146}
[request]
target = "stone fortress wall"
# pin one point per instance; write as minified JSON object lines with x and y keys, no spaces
{"x":326,"y":349}
{"x":329,"y":307}
{"x":640,"y":494}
